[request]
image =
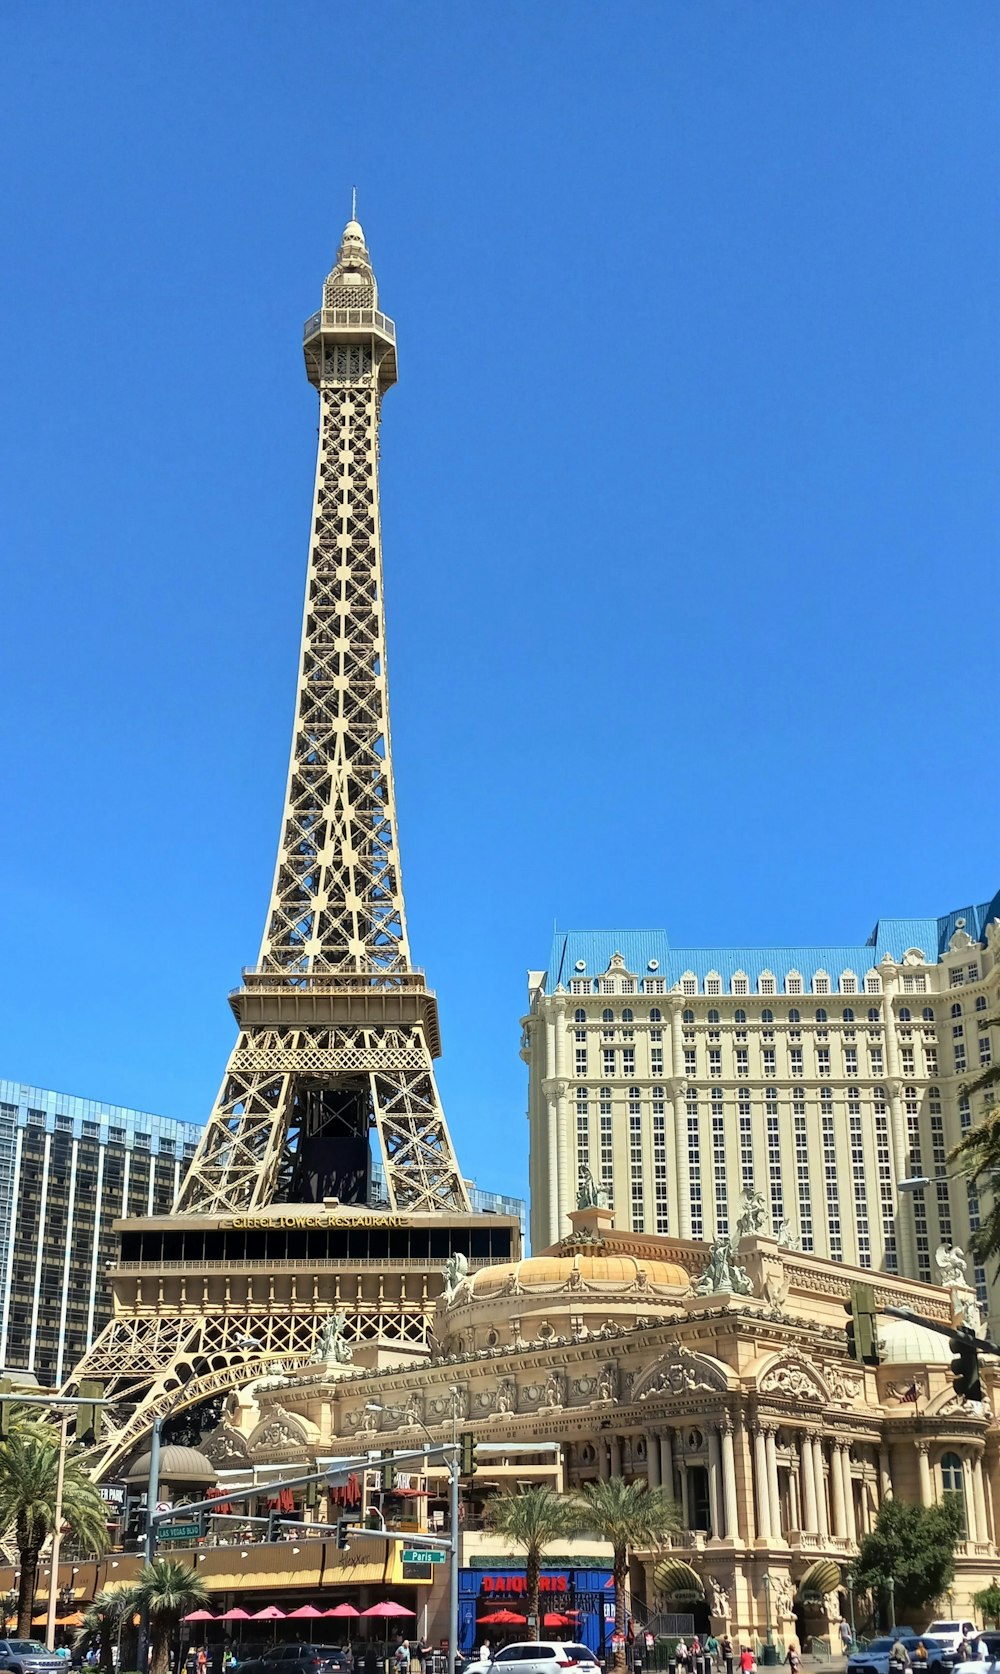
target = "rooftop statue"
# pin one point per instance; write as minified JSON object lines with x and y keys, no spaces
{"x":754,"y":1216}
{"x":723,"y":1275}
{"x":951,"y":1264}
{"x":456,"y":1268}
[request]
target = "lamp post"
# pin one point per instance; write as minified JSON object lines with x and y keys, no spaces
{"x":891,"y":1588}
{"x":769,"y":1648}
{"x":850,"y":1606}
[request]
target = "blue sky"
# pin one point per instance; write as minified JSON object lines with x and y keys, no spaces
{"x":690,"y":491}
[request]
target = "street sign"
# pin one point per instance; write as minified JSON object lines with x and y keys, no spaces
{"x":421,"y":1555}
{"x":179,"y":1531}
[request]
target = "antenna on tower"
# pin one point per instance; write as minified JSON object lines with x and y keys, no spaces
{"x":354,"y":203}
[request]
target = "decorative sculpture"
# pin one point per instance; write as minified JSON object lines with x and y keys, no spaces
{"x":333,"y":1349}
{"x":455,"y":1270}
{"x":723,"y":1275}
{"x":754,"y":1216}
{"x":787,"y":1239}
{"x":951,"y":1264}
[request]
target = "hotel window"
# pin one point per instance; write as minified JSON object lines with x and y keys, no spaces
{"x":914,"y":985}
{"x":874,"y":1015}
{"x":741,"y":985}
{"x":746,"y":1139}
{"x":885,"y":1181}
{"x":580,"y":1035}
{"x":953,"y":1487}
{"x":850,"y":1061}
{"x":960,"y":1060}
{"x":690,"y":1061}
{"x":739,"y":1016}
{"x":822,"y":1060}
{"x":714,"y":1062}
{"x":821,"y":984}
{"x":694,"y":1173}
{"x":720,"y":1171}
{"x":582,"y":1127}
{"x":793,"y":985}
{"x":581,"y":1060}
{"x":906,"y":1060}
{"x":832,"y":1192}
{"x":875,"y":1060}
{"x":656,"y":1060}
{"x":713,"y":985}
{"x":608,"y":1060}
{"x":930,"y":1060}
{"x":984,"y":1051}
{"x":579,"y":1016}
{"x":911,"y":1106}
{"x":628,"y":1015}
{"x":847,"y":1015}
{"x":713,"y":1017}
{"x":873,"y":983}
{"x":767,"y":1016}
{"x":774,"y":1162}
{"x":770,"y":1061}
{"x":742,"y":1061}
{"x":607,"y":1149}
{"x":980,"y":1003}
{"x":795,"y":1060}
{"x":860,"y":1184}
{"x":848,"y":983}
{"x":655,"y":1015}
{"x":687,"y":1017}
{"x":628,"y":985}
{"x":628,"y":1060}
{"x":654,"y":985}
{"x":802,"y":1180}
{"x":957,"y":977}
{"x":689,"y":985}
{"x":972,"y":973}
{"x":660,"y":1193}
{"x":794,"y":1016}
{"x":608,"y":985}
{"x":635,"y":1159}
{"x":767,"y":985}
{"x":579,"y":985}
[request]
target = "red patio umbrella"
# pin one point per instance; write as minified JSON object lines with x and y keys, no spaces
{"x":501,"y":1618}
{"x":555,"y":1619}
{"x":341,"y":1610}
{"x":304,"y":1610}
{"x":200,"y":1616}
{"x":388,"y":1609}
{"x":270,"y":1613}
{"x":236,"y":1615}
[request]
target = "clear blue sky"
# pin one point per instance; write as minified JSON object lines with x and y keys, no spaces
{"x":690,"y":491}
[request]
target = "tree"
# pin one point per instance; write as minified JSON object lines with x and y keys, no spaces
{"x":533,"y":1520}
{"x":914,"y":1547}
{"x":628,"y":1515}
{"x":166,"y":1590}
{"x":978,"y":1155}
{"x":29,"y":1465}
{"x":988,"y":1602}
{"x":104,"y":1620}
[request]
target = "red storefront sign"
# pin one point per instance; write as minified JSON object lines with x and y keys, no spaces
{"x":495,"y":1585}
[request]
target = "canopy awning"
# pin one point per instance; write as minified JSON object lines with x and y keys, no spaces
{"x":674,"y":1579}
{"x":820,"y":1578}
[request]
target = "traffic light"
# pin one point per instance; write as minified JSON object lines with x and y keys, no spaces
{"x":467,"y":1458}
{"x":343,"y":1534}
{"x":388,"y":1473}
{"x":312,"y":1495}
{"x":964,"y":1346}
{"x":862,"y":1337}
{"x":6,"y":1385}
{"x":272,"y":1525}
{"x":88,"y":1418}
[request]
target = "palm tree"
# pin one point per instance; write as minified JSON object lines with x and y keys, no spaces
{"x":29,"y":1465}
{"x":533,"y":1520}
{"x":627,"y":1515}
{"x":103,"y":1621}
{"x":165,"y":1590}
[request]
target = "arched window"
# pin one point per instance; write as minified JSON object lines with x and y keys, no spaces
{"x":767,"y":1016}
{"x":656,"y":1016}
{"x":740,"y":1016}
{"x":928,"y":1012}
{"x":980,"y":1003}
{"x":794,"y":1016}
{"x":607,"y":1015}
{"x":848,"y":1015}
{"x":580,"y":1016}
{"x":952,"y":1485}
{"x":627,"y":1016}
{"x":873,"y":1014}
{"x":821,"y":1016}
{"x":904,"y":1014}
{"x":956,"y":1010}
{"x":713,"y":1016}
{"x":687,"y":1017}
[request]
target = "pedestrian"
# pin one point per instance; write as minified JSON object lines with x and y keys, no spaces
{"x":728,"y":1653}
{"x":712,"y":1647}
{"x":963,"y":1650}
{"x":920,"y":1654}
{"x":792,"y":1658}
{"x":202,"y":1662}
{"x":846,"y":1637}
{"x":748,"y":1662}
{"x":401,"y":1657}
{"x":899,"y":1658}
{"x":681,"y":1656}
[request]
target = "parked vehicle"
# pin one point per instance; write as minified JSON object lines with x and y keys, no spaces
{"x":28,"y":1656}
{"x":295,"y":1659}
{"x":874,"y":1659}
{"x":952,"y":1632}
{"x":544,"y":1656}
{"x":990,"y":1664}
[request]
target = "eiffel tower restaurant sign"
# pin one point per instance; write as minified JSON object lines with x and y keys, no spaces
{"x":277,"y":1226}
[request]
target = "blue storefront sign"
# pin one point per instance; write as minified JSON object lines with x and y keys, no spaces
{"x":585,"y":1597}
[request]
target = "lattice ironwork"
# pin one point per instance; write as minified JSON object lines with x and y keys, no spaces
{"x":337,"y":899}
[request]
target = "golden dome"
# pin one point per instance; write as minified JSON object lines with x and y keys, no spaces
{"x":585,"y":1270}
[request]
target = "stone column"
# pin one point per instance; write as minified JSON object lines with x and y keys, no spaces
{"x":729,"y":1480}
{"x":773,"y":1492}
{"x":979,"y":1495}
{"x":603,"y":1470}
{"x":884,"y":1474}
{"x":714,"y":1466}
{"x":837,"y":1489}
{"x":822,"y":1518}
{"x":667,"y":1462}
{"x":970,"y":1499}
{"x":923,"y":1465}
{"x":685,"y":1503}
{"x":807,"y":1470}
{"x":852,"y":1522}
{"x":760,"y":1482}
{"x":616,"y":1456}
{"x":653,"y":1460}
{"x":794,"y":1507}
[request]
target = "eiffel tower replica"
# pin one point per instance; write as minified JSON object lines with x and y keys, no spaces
{"x":276,"y":1241}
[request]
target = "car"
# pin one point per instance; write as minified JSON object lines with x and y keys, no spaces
{"x":28,"y":1656}
{"x":953,"y":1631}
{"x":544,"y":1656}
{"x":988,"y":1664}
{"x":874,"y":1659}
{"x":298,"y":1659}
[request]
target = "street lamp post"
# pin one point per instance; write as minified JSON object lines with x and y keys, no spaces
{"x":891,"y":1588}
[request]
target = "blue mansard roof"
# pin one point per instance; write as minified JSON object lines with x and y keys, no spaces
{"x":639,"y":948}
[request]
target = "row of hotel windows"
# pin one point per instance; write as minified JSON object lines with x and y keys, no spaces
{"x":875,"y":1069}
{"x":767,"y":983}
{"x":803,"y":1203}
{"x":92,"y":1130}
{"x":740,"y":1017}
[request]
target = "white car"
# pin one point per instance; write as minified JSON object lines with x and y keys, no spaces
{"x":544,"y":1656}
{"x":951,"y":1633}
